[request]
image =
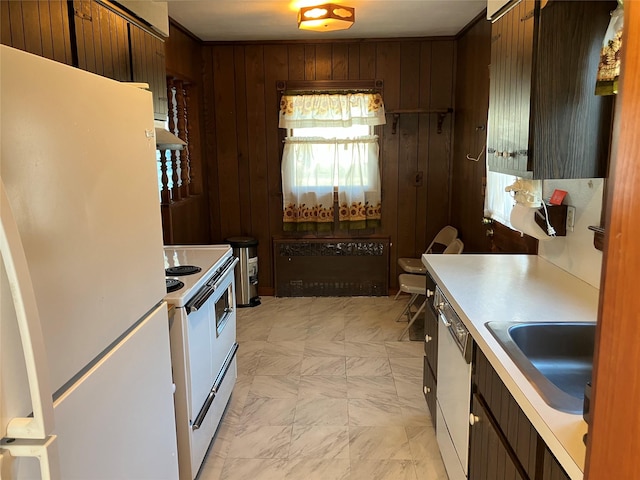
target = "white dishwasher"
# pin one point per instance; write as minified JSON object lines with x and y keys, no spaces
{"x":455,"y":347}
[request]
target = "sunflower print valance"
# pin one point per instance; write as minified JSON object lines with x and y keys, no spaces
{"x":331,"y":110}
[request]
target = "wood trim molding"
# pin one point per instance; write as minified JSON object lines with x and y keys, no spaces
{"x":288,"y":86}
{"x":614,"y":435}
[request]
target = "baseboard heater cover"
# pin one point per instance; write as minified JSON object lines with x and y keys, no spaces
{"x":331,"y":267}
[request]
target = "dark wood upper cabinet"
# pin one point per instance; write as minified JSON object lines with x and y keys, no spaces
{"x":148,"y":61}
{"x":41,"y":28}
{"x":102,"y":40}
{"x":545,"y":120}
{"x":92,"y":35}
{"x":512,"y":44}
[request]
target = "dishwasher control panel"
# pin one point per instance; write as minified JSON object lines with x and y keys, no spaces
{"x":453,"y":323}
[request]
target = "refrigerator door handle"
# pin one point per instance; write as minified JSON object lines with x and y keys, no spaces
{"x":45,"y":451}
{"x":41,"y":424}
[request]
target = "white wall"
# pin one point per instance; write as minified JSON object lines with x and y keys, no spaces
{"x":575,"y":253}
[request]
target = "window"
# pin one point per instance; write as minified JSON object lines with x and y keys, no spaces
{"x":331,"y":147}
{"x":327,"y":145}
{"x":176,"y":167}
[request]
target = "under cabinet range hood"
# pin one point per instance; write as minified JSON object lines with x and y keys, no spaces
{"x":165,"y":140}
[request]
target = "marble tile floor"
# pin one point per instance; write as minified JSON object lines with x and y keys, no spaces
{"x":325,"y":391}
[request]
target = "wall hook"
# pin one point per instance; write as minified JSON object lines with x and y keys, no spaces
{"x":469,"y":157}
{"x":441,"y":117}
{"x":394,"y":125}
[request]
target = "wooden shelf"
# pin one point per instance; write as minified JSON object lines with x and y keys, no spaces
{"x":442,"y":113}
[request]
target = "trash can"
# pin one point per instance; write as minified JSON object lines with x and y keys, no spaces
{"x":246,"y":250}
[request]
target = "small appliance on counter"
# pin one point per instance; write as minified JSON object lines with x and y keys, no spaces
{"x":201,"y":286}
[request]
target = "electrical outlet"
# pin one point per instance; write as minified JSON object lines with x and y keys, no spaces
{"x":571,"y":217}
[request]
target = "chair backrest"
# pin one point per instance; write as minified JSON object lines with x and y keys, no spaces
{"x":454,"y":247}
{"x":444,"y":237}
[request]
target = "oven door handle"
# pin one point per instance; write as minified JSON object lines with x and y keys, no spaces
{"x":197,"y":423}
{"x":201,"y":298}
{"x":223,"y":275}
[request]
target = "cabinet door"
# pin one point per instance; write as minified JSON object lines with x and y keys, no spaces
{"x":512,"y":41}
{"x":571,"y":125}
{"x":102,"y":40}
{"x":431,"y":330}
{"x":148,"y":60}
{"x":489,"y":457}
{"x":517,"y":430}
{"x":551,"y":469}
{"x":41,"y":28}
{"x":429,"y":390}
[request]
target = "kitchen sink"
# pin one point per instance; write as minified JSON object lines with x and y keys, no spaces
{"x":556,"y":357}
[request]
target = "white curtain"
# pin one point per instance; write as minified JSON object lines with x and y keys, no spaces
{"x":313,"y":167}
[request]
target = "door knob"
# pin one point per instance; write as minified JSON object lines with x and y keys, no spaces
{"x":426,"y":390}
{"x":427,"y":338}
{"x":473,"y":419}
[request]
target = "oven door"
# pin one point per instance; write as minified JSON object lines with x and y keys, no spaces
{"x":210,"y":337}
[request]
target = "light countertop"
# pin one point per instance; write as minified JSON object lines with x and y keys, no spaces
{"x":485,"y":288}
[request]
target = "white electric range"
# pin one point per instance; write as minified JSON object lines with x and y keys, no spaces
{"x":203,"y":344}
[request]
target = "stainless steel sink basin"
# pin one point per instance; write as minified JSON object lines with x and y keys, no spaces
{"x":557,"y":358}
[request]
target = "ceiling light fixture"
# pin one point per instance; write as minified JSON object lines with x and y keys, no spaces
{"x":326,"y":18}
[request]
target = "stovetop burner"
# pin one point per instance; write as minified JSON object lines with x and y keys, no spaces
{"x":173,"y":284}
{"x":182,"y":270}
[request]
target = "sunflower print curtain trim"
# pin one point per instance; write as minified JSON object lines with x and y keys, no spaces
{"x":308,"y":217}
{"x":336,"y":110}
{"x":358,"y":216}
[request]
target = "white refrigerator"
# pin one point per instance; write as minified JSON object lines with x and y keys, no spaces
{"x":81,"y":201}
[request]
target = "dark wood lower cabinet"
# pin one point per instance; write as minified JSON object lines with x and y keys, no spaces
{"x":504,"y":445}
{"x":430,"y":372}
{"x":490,"y":457}
{"x":551,"y":469}
{"x":429,"y":390}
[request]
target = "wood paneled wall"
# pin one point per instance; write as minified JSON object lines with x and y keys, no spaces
{"x":244,"y":148}
{"x":473,"y":48}
{"x":471,"y":108}
{"x":187,"y":221}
